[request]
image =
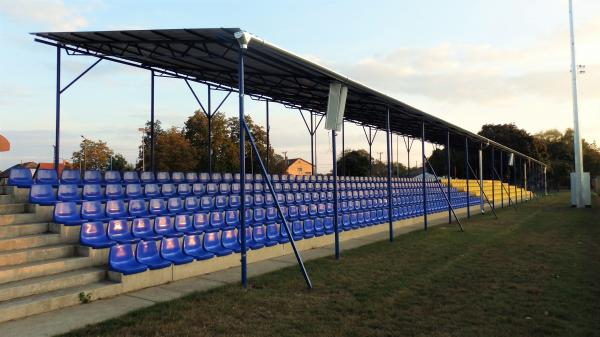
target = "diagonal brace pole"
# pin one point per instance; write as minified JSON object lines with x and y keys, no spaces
{"x":484,"y":195}
{"x":80,"y":76}
{"x":267,"y":178}
{"x":512,"y":202}
{"x":444,"y":194}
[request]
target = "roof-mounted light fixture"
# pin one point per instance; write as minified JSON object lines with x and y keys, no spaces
{"x":243,"y":38}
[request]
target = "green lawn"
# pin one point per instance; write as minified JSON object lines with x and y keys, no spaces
{"x":533,"y":272}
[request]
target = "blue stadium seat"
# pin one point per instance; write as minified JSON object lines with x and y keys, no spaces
{"x":302,"y":211}
{"x":191,"y":177}
{"x":232,"y":218}
{"x":234,"y":201}
{"x":118,"y":230}
{"x":92,"y":234}
{"x":20,"y":177}
{"x":122,"y":260}
{"x":217,"y":221}
{"x":92,"y":210}
{"x":215,"y":177}
{"x":178,"y":177}
{"x":227,"y":178}
{"x":114,"y":191}
{"x":206,"y":203}
{"x":112,"y":177}
{"x":204,"y":178}
{"x":212,"y":243}
{"x":235,"y":188}
{"x":163,"y":225}
{"x":259,"y":200}
{"x":258,"y":238}
{"x":184,"y":189}
{"x":116,"y":209}
{"x":298,"y":230}
{"x":137,"y":208}
{"x":192,"y":246}
{"x":67,"y":213}
{"x":272,"y":235}
{"x":201,"y":222}
{"x":168,"y":190}
{"x":271,"y":215}
{"x":259,"y":216}
{"x":163,"y":177}
{"x":175,"y":205}
{"x":147,"y":178}
{"x":92,"y":192}
{"x":211,"y":189}
{"x":131,"y":177}
{"x":183,"y":224}
{"x":191,"y":204}
{"x":146,"y":253}
{"x":293,"y":212}
{"x":42,"y":195}
{"x":221,"y":202}
{"x":70,"y":177}
{"x":309,"y":228}
{"x":283,"y":234}
{"x":157,"y":207}
{"x":319,"y":226}
{"x":133,"y":191}
{"x":170,"y":249}
{"x":92,"y":177}
{"x":229,"y":240}
{"x":46,"y":176}
{"x":68,"y":192}
{"x":142,"y":228}
{"x":198,"y":189}
{"x":224,"y":188}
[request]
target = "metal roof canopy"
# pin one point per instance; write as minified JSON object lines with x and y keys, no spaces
{"x":210,"y":56}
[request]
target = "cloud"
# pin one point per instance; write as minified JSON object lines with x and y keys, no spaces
{"x":54,"y":14}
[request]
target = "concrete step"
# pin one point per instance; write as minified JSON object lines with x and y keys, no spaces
{"x":19,"y":218}
{"x":44,"y":284}
{"x":13,"y":231}
{"x":37,"y":304}
{"x":13,"y":208}
{"x":6,"y":199}
{"x":42,"y":268}
{"x":29,"y":241}
{"x":28,"y":255}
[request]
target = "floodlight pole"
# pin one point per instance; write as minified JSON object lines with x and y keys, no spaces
{"x":242,"y":166}
{"x":423,"y":170}
{"x":576,"y":134}
{"x":152,"y":163}
{"x":389,"y":173}
{"x":467,"y":177}
{"x":57,"y":126}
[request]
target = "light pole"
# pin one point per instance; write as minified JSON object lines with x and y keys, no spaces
{"x":576,"y":134}
{"x":143,"y":131}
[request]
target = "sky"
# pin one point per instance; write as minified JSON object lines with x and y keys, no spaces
{"x":466,"y":61}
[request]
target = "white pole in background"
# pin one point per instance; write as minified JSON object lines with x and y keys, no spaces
{"x":576,"y":135}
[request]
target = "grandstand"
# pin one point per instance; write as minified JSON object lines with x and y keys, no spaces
{"x":99,"y":234}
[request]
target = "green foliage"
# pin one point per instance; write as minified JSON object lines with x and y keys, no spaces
{"x":85,"y":297}
{"x":93,"y":155}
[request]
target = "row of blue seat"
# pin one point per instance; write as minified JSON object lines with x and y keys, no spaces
{"x":22,"y":177}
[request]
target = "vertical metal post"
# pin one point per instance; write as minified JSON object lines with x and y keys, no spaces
{"x":312,"y":144}
{"x":515,"y":165}
{"x":525,"y":179}
{"x":501,"y":179}
{"x":389,"y":174}
{"x":398,"y":155}
{"x":343,"y":148}
{"x":480,"y":180}
{"x":152,"y":140}
{"x":242,"y":167}
{"x":335,"y":195}
{"x":370,"y":156}
{"x":545,"y":181}
{"x":268,"y":138}
{"x":209,"y":115}
{"x":492,"y":168}
{"x":448,"y":178}
{"x":423,"y":177}
{"x":57,"y":125}
{"x":467,"y":176}
{"x":522,"y":177}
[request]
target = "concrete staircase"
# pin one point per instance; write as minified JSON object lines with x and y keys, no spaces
{"x":42,"y":267}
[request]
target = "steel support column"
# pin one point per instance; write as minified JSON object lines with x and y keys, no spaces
{"x":242,"y":168}
{"x":448,"y":178}
{"x":492,"y":168}
{"x":389,"y":173}
{"x":522,"y":177}
{"x":423,"y":171}
{"x":335,"y":195}
{"x":312,"y":144}
{"x":268,"y":137}
{"x":152,"y":140}
{"x":545,"y":181}
{"x":343,"y":148}
{"x":467,"y":177}
{"x":480,"y":180}
{"x":501,"y":179}
{"x":57,"y":125}
{"x":209,"y":116}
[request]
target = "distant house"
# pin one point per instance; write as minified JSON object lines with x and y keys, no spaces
{"x":299,"y":167}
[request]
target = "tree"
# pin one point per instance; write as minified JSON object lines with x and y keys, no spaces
{"x":172,"y":151}
{"x":357,"y":163}
{"x":119,"y":163}
{"x":93,"y":155}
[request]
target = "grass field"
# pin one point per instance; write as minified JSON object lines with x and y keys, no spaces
{"x":533,"y":272}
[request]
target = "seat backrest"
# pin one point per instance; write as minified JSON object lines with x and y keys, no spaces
{"x":170,"y":247}
{"x":91,"y":230}
{"x":70,"y":177}
{"x":204,"y":177}
{"x":163,"y":225}
{"x":229,"y":238}
{"x":207,"y":203}
{"x":141,"y":226}
{"x":168,"y":190}
{"x":184,"y":189}
{"x":92,"y":177}
{"x":92,"y":210}
{"x":133,"y":190}
{"x":120,"y":254}
{"x":146,"y":251}
{"x":131,"y":177}
{"x":116,"y":208}
{"x":20,"y":177}
{"x":92,"y":192}
{"x":191,"y":243}
{"x":137,"y":207}
{"x":198,"y":189}
{"x":191,"y":177}
{"x":68,"y":192}
{"x":114,"y":191}
{"x":46,"y":176}
{"x":175,"y":205}
{"x":211,"y":241}
{"x":66,"y":210}
{"x":221,"y":201}
{"x":216,"y":219}
{"x":41,"y":194}
{"x":191,"y":204}
{"x":157,"y":206}
{"x":259,"y":234}
{"x":177,"y":177}
{"x":232,"y":218}
{"x":272,"y":232}
{"x":112,"y":177}
{"x":200,"y":221}
{"x":163,"y":177}
{"x":216,"y":177}
{"x":183,"y":223}
{"x":147,"y":177}
{"x":227,"y":178}
{"x":117,"y":228}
